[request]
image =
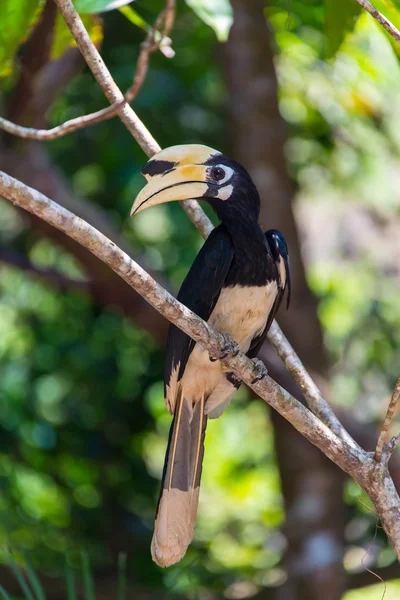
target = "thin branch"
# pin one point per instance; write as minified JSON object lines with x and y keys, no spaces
{"x":390,"y":28}
{"x":149,"y":46}
{"x":43,"y":135}
{"x":391,"y":446}
{"x":315,"y":401}
{"x":386,"y":424}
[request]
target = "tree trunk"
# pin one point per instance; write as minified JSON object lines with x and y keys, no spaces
{"x":312,"y":487}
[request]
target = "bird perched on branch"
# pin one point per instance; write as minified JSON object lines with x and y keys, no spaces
{"x":236,"y":284}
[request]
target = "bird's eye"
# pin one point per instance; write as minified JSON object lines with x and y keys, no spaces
{"x":218,"y":173}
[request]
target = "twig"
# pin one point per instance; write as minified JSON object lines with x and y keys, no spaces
{"x":149,"y":46}
{"x":114,"y":94}
{"x":390,"y":28}
{"x":373,"y":477}
{"x":390,"y":447}
{"x":315,"y":401}
{"x":30,"y":133}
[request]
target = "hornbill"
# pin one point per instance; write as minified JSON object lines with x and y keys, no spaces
{"x":236,"y":284}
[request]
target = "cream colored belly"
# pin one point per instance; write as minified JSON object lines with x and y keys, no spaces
{"x":240,"y":311}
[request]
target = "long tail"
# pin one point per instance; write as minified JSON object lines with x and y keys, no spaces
{"x":179,"y":496}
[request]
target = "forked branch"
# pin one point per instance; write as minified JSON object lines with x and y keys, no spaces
{"x":391,"y":446}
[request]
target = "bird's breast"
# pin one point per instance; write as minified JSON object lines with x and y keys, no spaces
{"x":242,"y":311}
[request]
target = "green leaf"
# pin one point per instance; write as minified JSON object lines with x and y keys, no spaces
{"x":96,"y":6}
{"x":20,"y":578}
{"x":391,"y":10}
{"x":217,"y":14}
{"x":70,"y":582}
{"x":63,"y":38}
{"x":17,"y":18}
{"x":134,"y":17}
{"x":4,"y":594}
{"x":122,"y":589}
{"x":87,"y":577}
{"x":34,"y":580}
{"x":340,"y":18}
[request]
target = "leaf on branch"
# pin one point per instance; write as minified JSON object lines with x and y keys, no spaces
{"x":340,"y":18}
{"x":63,"y":39}
{"x":134,"y":17}
{"x":17,"y":19}
{"x":97,"y":6}
{"x":217,"y":14}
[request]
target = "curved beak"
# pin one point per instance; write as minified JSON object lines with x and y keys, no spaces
{"x":177,"y":183}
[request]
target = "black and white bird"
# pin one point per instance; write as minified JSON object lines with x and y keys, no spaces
{"x":236,"y":284}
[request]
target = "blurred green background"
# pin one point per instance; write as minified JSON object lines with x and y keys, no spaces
{"x":82,"y":418}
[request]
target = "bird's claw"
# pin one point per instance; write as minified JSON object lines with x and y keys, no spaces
{"x":229,"y":348}
{"x":261,"y":370}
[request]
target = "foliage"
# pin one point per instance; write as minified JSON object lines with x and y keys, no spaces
{"x":216,"y":13}
{"x":17,"y":19}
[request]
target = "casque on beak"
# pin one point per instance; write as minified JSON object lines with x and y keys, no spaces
{"x":176,"y":173}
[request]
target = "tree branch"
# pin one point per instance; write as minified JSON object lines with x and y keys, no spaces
{"x":43,"y":135}
{"x":150,"y":45}
{"x":372,"y":476}
{"x":390,"y":28}
{"x":389,"y":448}
{"x":316,"y":403}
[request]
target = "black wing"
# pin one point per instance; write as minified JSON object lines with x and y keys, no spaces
{"x":199,"y":292}
{"x":278,"y":246}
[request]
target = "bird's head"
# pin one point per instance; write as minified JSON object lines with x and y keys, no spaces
{"x":202,"y":173}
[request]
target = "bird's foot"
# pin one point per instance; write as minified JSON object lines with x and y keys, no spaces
{"x":260,"y":369}
{"x":229,"y":348}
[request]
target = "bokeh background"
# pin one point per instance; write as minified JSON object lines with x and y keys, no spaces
{"x":306,"y":94}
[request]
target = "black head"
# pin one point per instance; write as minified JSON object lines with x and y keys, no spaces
{"x":200,"y":172}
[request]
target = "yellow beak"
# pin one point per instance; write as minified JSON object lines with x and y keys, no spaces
{"x":175,"y":173}
{"x":180,"y":183}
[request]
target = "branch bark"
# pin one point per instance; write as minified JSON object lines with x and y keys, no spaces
{"x":373,"y":477}
{"x":390,"y":28}
{"x":149,"y":46}
{"x":386,"y":424}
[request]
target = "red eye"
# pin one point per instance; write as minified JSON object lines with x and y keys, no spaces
{"x":218,"y":173}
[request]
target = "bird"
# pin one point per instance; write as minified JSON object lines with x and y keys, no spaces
{"x":236,"y":284}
